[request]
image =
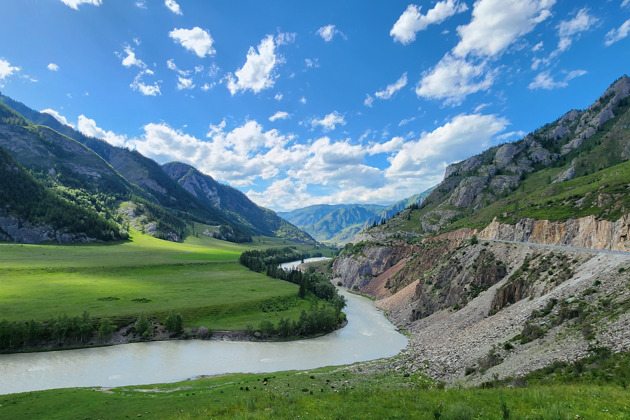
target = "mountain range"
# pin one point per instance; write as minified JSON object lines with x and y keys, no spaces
{"x":338,"y":224}
{"x":120,"y":187}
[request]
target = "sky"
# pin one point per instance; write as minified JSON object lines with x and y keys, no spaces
{"x":298,"y":103}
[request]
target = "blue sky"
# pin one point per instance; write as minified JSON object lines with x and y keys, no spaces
{"x":305,"y":102}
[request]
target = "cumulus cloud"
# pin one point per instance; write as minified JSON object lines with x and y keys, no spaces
{"x":258,"y":71}
{"x":496,"y":24}
{"x":52,"y":67}
{"x":369,"y":100}
{"x":130,"y":59}
{"x":452,"y":79}
{"x":390,"y":90}
{"x":545,"y":81}
{"x":568,"y":30}
{"x":328,"y":32}
{"x":57,"y":116}
{"x":330,"y":121}
{"x":88,"y":127}
{"x":196,"y":40}
{"x":280,"y":115}
{"x":75,"y":3}
{"x":456,"y":140}
{"x":412,"y":21}
{"x":173,"y":6}
{"x":145,"y":89}
{"x":6,"y":70}
{"x":278,"y":96}
{"x":618,"y":34}
{"x":184,"y":83}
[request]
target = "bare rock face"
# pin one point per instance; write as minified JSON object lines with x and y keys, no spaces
{"x":358,"y":270}
{"x":567,"y":175}
{"x":506,"y":154}
{"x":16,"y":230}
{"x":585,"y":232}
{"x":467,"y":191}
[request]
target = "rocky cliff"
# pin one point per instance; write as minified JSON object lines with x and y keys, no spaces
{"x":585,"y":232}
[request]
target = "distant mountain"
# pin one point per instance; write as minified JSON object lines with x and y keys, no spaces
{"x":233,"y":204}
{"x":338,"y":224}
{"x":124,"y":182}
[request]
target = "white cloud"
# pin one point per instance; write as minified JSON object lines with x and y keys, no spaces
{"x":52,"y":67}
{"x":143,"y":88}
{"x":88,"y":127}
{"x":496,"y":24}
{"x":280,"y":115}
{"x":406,"y":121}
{"x":130,"y":59}
{"x":196,"y":40}
{"x":458,"y":139}
{"x":411,"y":21}
{"x":6,"y":70}
{"x":75,"y":3}
{"x":625,"y":3}
{"x":184,"y":83}
{"x":369,"y":100}
{"x":568,"y":30}
{"x":141,"y":4}
{"x":393,"y":145}
{"x":537,"y":46}
{"x":328,"y":32}
{"x":311,"y":63}
{"x":258,"y":71}
{"x":545,"y":81}
{"x":278,"y":96}
{"x":452,"y":79}
{"x":57,"y":116}
{"x":173,"y":6}
{"x":330,"y":121}
{"x":390,"y":90}
{"x":615,"y":35}
{"x":303,"y":100}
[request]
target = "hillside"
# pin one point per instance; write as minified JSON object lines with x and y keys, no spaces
{"x":338,"y":224}
{"x":32,"y":213}
{"x":478,"y":308}
{"x":128,"y":182}
{"x":233,"y":204}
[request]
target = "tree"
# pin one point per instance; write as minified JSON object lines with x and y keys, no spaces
{"x":143,"y":326}
{"x":474,"y":240}
{"x":105,"y":328}
{"x":174,"y":323}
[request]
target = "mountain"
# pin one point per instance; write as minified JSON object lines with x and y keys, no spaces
{"x":338,"y":224}
{"x":125,"y":183}
{"x":324,"y":221}
{"x":549,"y":174}
{"x":518,"y":259}
{"x":31,"y":213}
{"x":234,"y":205}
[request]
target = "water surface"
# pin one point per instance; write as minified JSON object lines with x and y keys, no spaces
{"x":368,"y":335}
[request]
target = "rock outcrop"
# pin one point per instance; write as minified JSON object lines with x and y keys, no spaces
{"x":585,"y":232}
{"x":16,"y":230}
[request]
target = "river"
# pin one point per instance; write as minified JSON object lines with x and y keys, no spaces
{"x":367,"y":336}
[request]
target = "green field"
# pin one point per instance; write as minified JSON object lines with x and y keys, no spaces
{"x":199,"y":278}
{"x":327,"y":393}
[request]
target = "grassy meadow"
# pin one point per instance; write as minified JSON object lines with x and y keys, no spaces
{"x":326,"y":393}
{"x":199,"y":278}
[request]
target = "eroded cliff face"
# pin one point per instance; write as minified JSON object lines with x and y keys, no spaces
{"x":585,"y":232}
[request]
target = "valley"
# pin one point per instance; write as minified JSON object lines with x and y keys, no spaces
{"x":315,"y":210}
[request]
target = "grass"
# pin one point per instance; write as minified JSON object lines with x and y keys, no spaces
{"x":199,"y":279}
{"x":327,"y":393}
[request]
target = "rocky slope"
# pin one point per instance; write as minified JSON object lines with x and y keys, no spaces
{"x":233,"y":204}
{"x":477,"y":308}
